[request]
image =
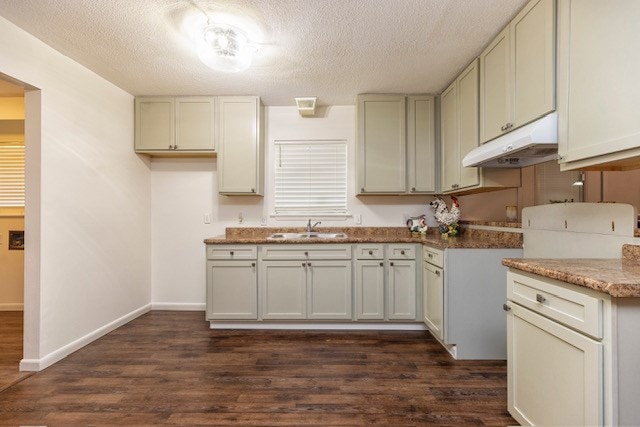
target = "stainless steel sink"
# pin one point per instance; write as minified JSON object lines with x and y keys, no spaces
{"x":311,"y":235}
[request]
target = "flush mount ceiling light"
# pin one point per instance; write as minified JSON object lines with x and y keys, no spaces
{"x":226,"y":48}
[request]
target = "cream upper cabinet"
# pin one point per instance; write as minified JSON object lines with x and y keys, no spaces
{"x":449,"y":135}
{"x":195,"y":123}
{"x":240,"y":145}
{"x":495,"y":88}
{"x":381,"y":144}
{"x":396,"y":144}
{"x":517,"y":71}
{"x":598,"y":92}
{"x":175,"y":125}
{"x":468,"y":122}
{"x":533,"y":61}
{"x":459,"y":133}
{"x":421,"y":144}
{"x":155,"y":124}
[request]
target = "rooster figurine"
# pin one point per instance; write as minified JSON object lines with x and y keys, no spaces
{"x":447,"y":218}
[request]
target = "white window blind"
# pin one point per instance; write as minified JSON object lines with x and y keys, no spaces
{"x":311,"y":177}
{"x":11,"y":175}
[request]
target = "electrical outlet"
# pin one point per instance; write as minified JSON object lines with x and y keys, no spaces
{"x":263,"y":221}
{"x":240,"y":218}
{"x":357,"y":218}
{"x":207,"y":218}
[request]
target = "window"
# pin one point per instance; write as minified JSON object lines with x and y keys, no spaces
{"x":11,"y":175}
{"x":553,"y":186}
{"x":311,"y":177}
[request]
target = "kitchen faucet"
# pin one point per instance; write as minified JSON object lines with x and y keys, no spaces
{"x":311,"y":227}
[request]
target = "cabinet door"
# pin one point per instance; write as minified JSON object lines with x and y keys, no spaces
{"x":468,"y":105}
{"x":421,"y":146}
{"x":433,"y":299}
{"x":232,"y":290}
{"x":283,"y":286}
{"x":154,"y":123}
{"x":598,"y":93}
{"x":555,"y":375}
{"x":195,"y":123}
{"x":495,"y":88}
{"x":369,"y":290}
{"x":449,"y":135}
{"x":402,"y":290}
{"x":533,"y":61}
{"x":329,"y":290}
{"x":240,"y":145}
{"x":381,"y":144}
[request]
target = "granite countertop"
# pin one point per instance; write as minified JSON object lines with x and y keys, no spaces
{"x":616,"y":277}
{"x":479,"y":239}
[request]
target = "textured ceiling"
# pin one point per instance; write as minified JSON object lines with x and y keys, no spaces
{"x":332,"y":49}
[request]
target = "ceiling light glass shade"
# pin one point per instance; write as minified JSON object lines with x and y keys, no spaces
{"x":226,"y":48}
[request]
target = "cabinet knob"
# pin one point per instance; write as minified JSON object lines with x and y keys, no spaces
{"x":304,"y":263}
{"x":231,"y":253}
{"x":370,"y":252}
{"x":175,"y":147}
{"x":505,"y":307}
{"x":391,"y":264}
{"x":253,"y":190}
{"x":381,"y":264}
{"x":430,"y":255}
{"x":306,"y":254}
{"x":170,"y":147}
{"x":362,"y":190}
{"x":540,"y":298}
{"x":308,"y":264}
{"x":401,"y":252}
{"x":413,"y":188}
{"x":253,"y":264}
{"x":438,"y":273}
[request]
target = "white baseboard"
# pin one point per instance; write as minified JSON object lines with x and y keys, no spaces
{"x":321,"y":326}
{"x":62,"y":352}
{"x":15,"y":306}
{"x":178,"y":306}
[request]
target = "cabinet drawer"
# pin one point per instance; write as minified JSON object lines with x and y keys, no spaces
{"x":293,"y":252}
{"x":231,"y":252}
{"x":402,"y":252}
{"x":550,"y":298}
{"x":369,"y":252}
{"x":433,"y":256}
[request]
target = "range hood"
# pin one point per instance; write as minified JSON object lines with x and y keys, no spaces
{"x":534,"y":143}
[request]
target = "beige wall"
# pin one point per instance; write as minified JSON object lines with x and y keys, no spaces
{"x":11,"y":267}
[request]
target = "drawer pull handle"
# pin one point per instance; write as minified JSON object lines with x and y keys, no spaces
{"x":505,"y":307}
{"x":370,"y":252}
{"x":540,"y":298}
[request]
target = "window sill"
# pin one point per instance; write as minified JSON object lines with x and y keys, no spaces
{"x":324,"y":216}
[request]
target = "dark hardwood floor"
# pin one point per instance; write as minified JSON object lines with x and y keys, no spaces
{"x":10,"y":348}
{"x":168,"y":368}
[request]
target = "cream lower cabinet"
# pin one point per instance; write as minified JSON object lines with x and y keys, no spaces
{"x":402,"y":296}
{"x":555,"y":353}
{"x":232,"y":283}
{"x":598,"y":65}
{"x":463,"y":291}
{"x":433,"y":291}
{"x":305,"y":282}
{"x":369,"y":282}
